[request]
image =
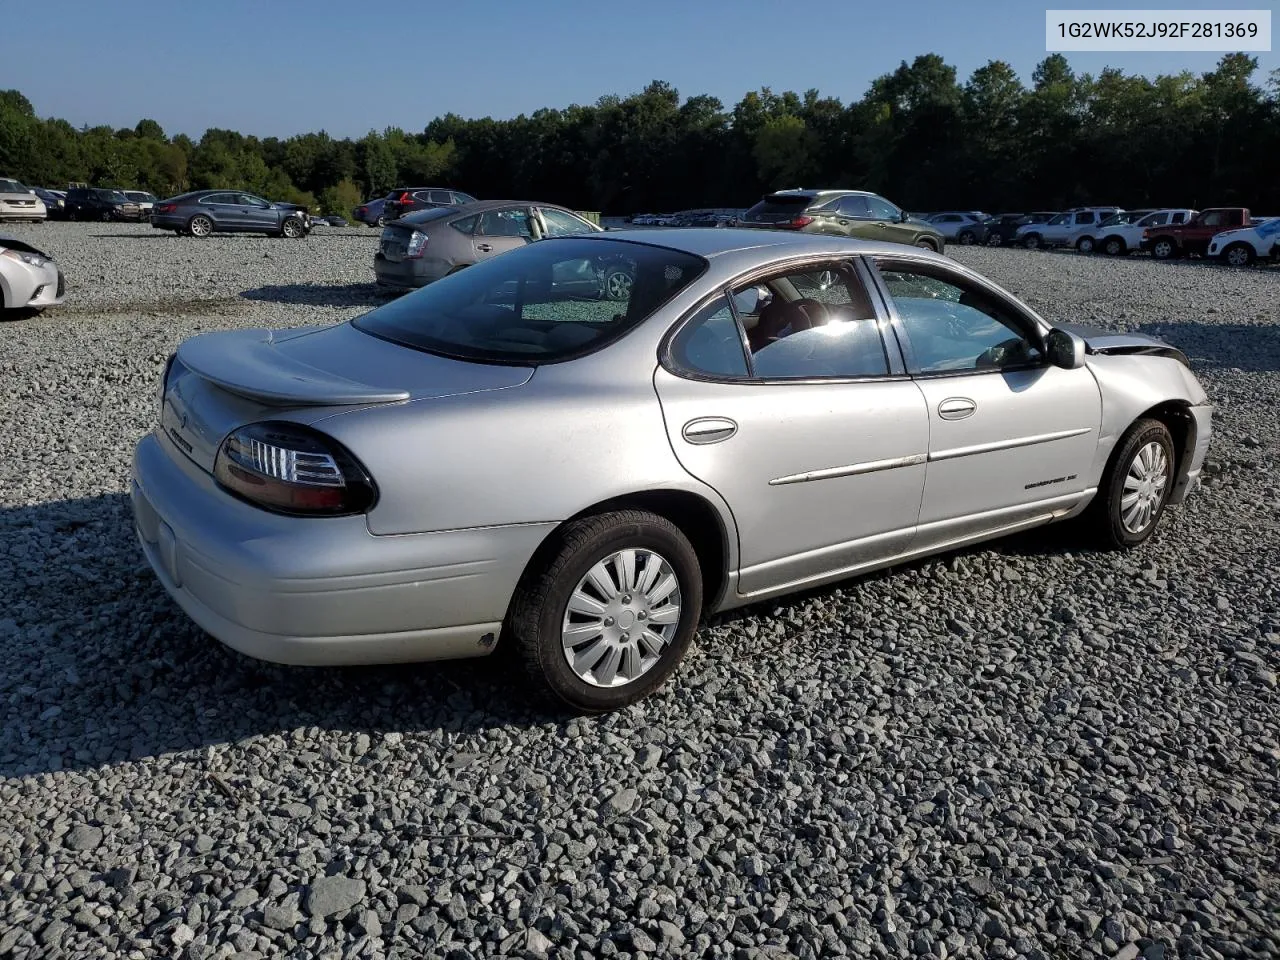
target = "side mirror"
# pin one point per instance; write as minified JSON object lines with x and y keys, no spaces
{"x":903,"y":216}
{"x":1064,"y":349}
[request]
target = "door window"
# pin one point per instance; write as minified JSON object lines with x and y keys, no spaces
{"x":220,"y":198}
{"x":710,"y":344}
{"x":561,"y":224}
{"x":814,"y":323}
{"x":466,"y":225}
{"x":505,"y":223}
{"x":1154,"y":220}
{"x":250,"y":200}
{"x":882,"y":209}
{"x":1179,"y":218}
{"x":1084,"y":217}
{"x":440,"y":196}
{"x":954,"y":326}
{"x":854,"y":207}
{"x":1214,"y":219}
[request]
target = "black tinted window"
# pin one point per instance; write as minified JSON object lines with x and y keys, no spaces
{"x":536,"y":304}
{"x":710,"y":343}
{"x":466,"y":224}
{"x":775,"y":206}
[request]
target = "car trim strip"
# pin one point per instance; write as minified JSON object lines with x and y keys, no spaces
{"x":977,"y":448}
{"x":852,"y":470}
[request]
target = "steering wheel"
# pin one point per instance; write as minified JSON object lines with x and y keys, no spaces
{"x":815,"y":310}
{"x":1013,"y":350}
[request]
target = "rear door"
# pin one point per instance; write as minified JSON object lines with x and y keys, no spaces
{"x":1011,"y":437}
{"x":224,"y":210}
{"x":790,"y":406}
{"x":501,"y":230}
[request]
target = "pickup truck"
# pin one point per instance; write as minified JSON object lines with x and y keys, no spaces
{"x":1241,"y":246}
{"x":1193,"y":237}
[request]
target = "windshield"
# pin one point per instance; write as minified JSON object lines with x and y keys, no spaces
{"x":547,"y":301}
{"x":12,"y":186}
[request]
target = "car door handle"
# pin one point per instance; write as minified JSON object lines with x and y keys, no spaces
{"x":956,"y":408}
{"x":483,"y":247}
{"x":709,"y":430}
{"x":844,"y":223}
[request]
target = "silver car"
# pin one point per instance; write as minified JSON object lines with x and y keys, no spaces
{"x":29,"y":279}
{"x":506,"y":456}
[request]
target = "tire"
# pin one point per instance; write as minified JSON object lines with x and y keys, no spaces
{"x":200,"y":226}
{"x":1114,"y":247}
{"x":1085,"y":244}
{"x":292,"y":228}
{"x":1163,"y":248}
{"x":381,"y":222}
{"x":924,"y":243}
{"x":72,"y":215}
{"x":1146,"y":447}
{"x":994,"y":239}
{"x":105,"y":216}
{"x":1032,"y":241}
{"x":1238,"y":255}
{"x":617,"y":284}
{"x":587,"y":548}
{"x":966,"y":238}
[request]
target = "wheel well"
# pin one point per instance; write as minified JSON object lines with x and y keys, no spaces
{"x":697,"y":520}
{"x":1176,"y":415}
{"x":930,"y":243}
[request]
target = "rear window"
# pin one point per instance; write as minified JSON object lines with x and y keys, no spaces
{"x":541,"y":303}
{"x":775,"y":205}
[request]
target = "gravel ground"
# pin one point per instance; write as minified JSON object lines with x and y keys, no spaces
{"x":1027,"y":750}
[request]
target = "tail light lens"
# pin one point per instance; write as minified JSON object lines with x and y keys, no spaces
{"x":166,"y":207}
{"x":288,"y":468}
{"x":417,"y":245}
{"x":796,"y":223}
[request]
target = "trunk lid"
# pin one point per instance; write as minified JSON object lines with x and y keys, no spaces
{"x":779,"y":208}
{"x":220,"y":381}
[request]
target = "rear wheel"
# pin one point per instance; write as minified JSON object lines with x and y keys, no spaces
{"x":608,"y":611}
{"x":1032,"y":241}
{"x":1085,"y":244}
{"x":1238,"y":255}
{"x":967,"y":238}
{"x":1136,"y":486}
{"x":1113,"y":246}
{"x":924,"y":243}
{"x":994,"y":239}
{"x":200,"y":226}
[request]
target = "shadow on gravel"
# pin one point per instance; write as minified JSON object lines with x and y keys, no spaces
{"x":101,"y":666}
{"x":1253,"y":348}
{"x":318,"y":294}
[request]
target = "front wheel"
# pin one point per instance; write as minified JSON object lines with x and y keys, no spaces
{"x":1136,"y":486}
{"x":994,"y":239}
{"x":1032,"y":241}
{"x":607,"y":612}
{"x":967,"y":239}
{"x":1113,"y":246}
{"x":1085,"y":244}
{"x":105,"y":216}
{"x":292,"y":228}
{"x":1238,"y":255}
{"x":1163,"y":249}
{"x":926,"y":245}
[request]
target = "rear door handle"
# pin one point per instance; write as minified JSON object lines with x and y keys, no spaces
{"x":956,"y":408}
{"x":709,"y":430}
{"x":483,"y":247}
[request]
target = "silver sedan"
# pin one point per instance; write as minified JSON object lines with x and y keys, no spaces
{"x":514,"y":455}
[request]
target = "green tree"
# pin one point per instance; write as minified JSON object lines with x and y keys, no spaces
{"x":341,"y":198}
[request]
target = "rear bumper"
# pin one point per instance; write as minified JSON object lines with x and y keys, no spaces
{"x":320,"y":590}
{"x":163,"y":221}
{"x":408,"y":274}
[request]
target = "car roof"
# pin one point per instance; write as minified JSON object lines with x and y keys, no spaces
{"x":821,"y":192}
{"x":711,"y":242}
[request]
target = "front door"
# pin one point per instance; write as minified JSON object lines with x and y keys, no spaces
{"x":501,"y":230}
{"x":1011,"y":437}
{"x":786,"y":403}
{"x":256,"y":213}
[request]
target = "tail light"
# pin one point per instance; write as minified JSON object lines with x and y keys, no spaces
{"x":288,"y":468}
{"x":417,"y":245}
{"x":166,"y":207}
{"x":796,"y":223}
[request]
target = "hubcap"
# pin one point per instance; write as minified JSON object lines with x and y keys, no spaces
{"x":1086,"y":246}
{"x":1113,"y":247}
{"x":966,"y":239}
{"x":993,"y":240}
{"x":620,"y":618}
{"x":1237,"y":257}
{"x":1163,"y":249}
{"x":618,"y":285}
{"x":199,"y":227}
{"x":1144,"y":485}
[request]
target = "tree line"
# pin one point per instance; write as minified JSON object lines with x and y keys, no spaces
{"x":918,"y":136}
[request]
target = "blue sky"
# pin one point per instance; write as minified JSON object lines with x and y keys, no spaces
{"x":279,"y":67}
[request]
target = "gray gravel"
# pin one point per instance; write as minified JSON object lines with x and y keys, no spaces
{"x":1027,"y":750}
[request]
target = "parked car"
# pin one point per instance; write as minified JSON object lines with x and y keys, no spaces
{"x":1003,"y":228}
{"x":1192,"y":238}
{"x":429,"y":244}
{"x":29,"y":278}
{"x":55,"y":204}
{"x":19,"y":202}
{"x":963,"y":228}
{"x":99,"y":203}
{"x":1240,"y":247}
{"x":403,"y":200}
{"x":494,"y":460}
{"x":334,"y":220}
{"x":145,"y":200}
{"x":370,"y":212}
{"x":1066,"y":229}
{"x":204,"y":212}
{"x":842,"y":213}
{"x":1122,"y":233}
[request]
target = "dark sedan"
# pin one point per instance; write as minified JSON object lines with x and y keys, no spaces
{"x":430,"y":244}
{"x":202,"y":212}
{"x":370,"y":212}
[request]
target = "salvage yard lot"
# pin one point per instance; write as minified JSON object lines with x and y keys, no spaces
{"x":1026,"y":749}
